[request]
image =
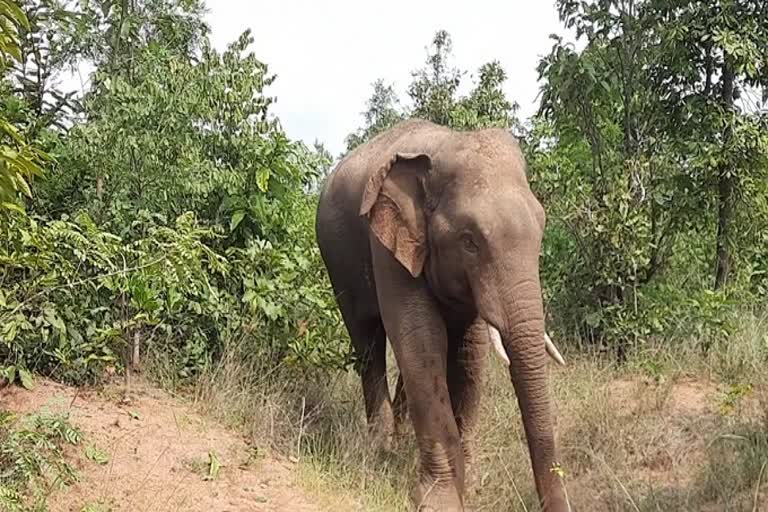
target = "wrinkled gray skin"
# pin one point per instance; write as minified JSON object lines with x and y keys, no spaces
{"x":429,"y":235}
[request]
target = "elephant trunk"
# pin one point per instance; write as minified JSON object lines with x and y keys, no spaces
{"x":522,"y":332}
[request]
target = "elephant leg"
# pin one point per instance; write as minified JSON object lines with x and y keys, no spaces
{"x":441,"y":480}
{"x":369,"y":342}
{"x":466,"y":366}
{"x":417,"y":330}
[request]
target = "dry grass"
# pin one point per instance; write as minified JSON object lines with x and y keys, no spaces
{"x":673,"y":429}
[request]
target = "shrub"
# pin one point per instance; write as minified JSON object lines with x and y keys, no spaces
{"x":74,"y":298}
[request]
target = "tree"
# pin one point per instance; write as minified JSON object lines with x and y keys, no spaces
{"x":321,"y":161}
{"x":433,"y":94}
{"x":178,"y":215}
{"x":487,"y":105}
{"x":111,"y":31}
{"x":433,"y":89}
{"x":614,"y":196}
{"x":382,"y":112}
{"x":178,"y":134}
{"x":45,"y":51}
{"x":634,"y":137}
{"x":714,"y":53}
{"x":19,"y":161}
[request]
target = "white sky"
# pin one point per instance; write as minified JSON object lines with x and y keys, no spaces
{"x":327,"y":53}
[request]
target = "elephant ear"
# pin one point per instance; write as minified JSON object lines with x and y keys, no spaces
{"x":393,"y":202}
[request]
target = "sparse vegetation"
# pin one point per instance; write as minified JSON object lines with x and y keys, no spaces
{"x":162,"y":224}
{"x":680,"y":437}
{"x":32,"y":459}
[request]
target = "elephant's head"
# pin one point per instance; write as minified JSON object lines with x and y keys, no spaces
{"x":460,"y":212}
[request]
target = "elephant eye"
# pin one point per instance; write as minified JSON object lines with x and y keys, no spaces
{"x":469,"y":243}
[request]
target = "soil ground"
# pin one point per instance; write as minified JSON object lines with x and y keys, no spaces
{"x":159,"y":455}
{"x":160,"y":451}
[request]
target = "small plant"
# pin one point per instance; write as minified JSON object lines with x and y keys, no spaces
{"x":558,"y":470}
{"x":31,"y":459}
{"x":96,"y":507}
{"x":96,"y":454}
{"x":654,"y":369}
{"x":214,"y":466}
{"x":9,"y":374}
{"x":733,"y":395}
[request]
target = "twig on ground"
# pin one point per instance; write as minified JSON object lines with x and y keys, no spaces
{"x":757,"y":487}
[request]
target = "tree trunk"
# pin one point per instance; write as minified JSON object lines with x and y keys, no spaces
{"x":723,"y":263}
{"x":724,"y":187}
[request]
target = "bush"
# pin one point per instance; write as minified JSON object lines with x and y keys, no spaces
{"x":75,"y":298}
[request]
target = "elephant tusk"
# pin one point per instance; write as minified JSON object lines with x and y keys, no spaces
{"x":499,"y":346}
{"x":552,"y":350}
{"x":496,"y":342}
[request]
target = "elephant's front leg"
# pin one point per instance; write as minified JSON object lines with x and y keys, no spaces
{"x":423,"y":365}
{"x":467,"y":360}
{"x":419,"y":339}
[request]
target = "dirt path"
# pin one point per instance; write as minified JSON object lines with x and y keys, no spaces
{"x":159,"y":455}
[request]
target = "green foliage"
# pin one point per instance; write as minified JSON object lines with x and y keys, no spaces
{"x":72,"y":293}
{"x":108,"y":33}
{"x":31,"y":459}
{"x":487,"y":106}
{"x":11,"y":18}
{"x":434,"y":87}
{"x":19,"y":161}
{"x":194,"y":135}
{"x":733,"y":395}
{"x":178,"y":217}
{"x":46,"y":48}
{"x":96,"y":454}
{"x":643,"y":166}
{"x":74,"y":297}
{"x":289,"y":293}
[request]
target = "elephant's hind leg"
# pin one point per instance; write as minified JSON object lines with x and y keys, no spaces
{"x":369,"y":341}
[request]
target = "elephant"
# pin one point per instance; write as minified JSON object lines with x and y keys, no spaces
{"x":431,"y":239}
